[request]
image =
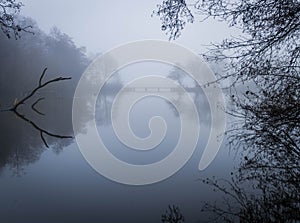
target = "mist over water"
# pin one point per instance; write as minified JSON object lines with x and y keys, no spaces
{"x":56,"y":184}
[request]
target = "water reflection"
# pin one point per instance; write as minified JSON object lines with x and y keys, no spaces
{"x":64,"y":188}
{"x":22,"y":63}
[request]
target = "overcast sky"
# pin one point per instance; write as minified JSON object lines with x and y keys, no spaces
{"x":100,"y":25}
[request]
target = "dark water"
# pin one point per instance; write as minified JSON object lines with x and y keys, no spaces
{"x":57,"y":184}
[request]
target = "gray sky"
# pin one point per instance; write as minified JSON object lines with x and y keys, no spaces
{"x":100,"y":25}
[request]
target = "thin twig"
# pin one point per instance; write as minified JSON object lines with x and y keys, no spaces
{"x":35,"y":103}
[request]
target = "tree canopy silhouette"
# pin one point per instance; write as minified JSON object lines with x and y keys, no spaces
{"x":262,"y":66}
{"x":9,"y":24}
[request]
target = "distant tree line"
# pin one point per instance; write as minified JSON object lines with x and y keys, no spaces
{"x":22,"y":62}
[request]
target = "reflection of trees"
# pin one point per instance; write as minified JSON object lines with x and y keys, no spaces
{"x":262,"y":66}
{"x":106,"y":98}
{"x":172,"y":215}
{"x":195,"y":91}
{"x":22,"y":129}
{"x":20,"y":62}
{"x":17,"y":104}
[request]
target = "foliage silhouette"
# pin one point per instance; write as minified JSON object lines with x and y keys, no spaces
{"x":172,"y":215}
{"x":262,"y":69}
{"x":9,"y":24}
{"x":174,"y":14}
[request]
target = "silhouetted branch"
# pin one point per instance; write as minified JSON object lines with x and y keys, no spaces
{"x":35,"y":103}
{"x":17,"y":104}
{"x":42,"y":76}
{"x":264,"y":62}
{"x":172,"y":215}
{"x":8,"y":11}
{"x":174,"y":14}
{"x":40,"y":86}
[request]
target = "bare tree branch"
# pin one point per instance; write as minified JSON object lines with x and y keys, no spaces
{"x":17,"y":104}
{"x":263,"y":63}
{"x":9,"y":10}
{"x":172,"y":215}
{"x":35,"y":103}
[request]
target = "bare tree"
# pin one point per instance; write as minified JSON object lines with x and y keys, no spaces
{"x":262,"y":65}
{"x":9,"y":25}
{"x":174,"y":14}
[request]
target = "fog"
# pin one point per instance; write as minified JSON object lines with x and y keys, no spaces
{"x":102,"y":25}
{"x":56,"y":184}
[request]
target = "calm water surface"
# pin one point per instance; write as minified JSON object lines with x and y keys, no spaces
{"x":57,"y":185}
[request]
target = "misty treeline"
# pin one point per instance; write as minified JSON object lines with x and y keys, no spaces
{"x":22,"y":62}
{"x":262,"y":66}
